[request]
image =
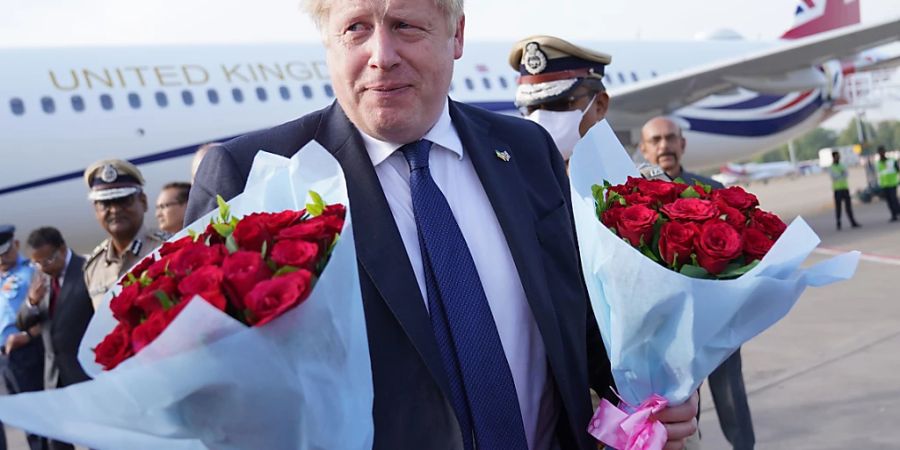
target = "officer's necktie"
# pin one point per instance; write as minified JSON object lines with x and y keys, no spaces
{"x":481,"y":384}
{"x":54,"y":293}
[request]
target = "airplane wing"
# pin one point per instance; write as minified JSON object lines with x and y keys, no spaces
{"x":791,"y":66}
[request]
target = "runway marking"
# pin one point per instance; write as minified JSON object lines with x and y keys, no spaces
{"x":869,"y":257}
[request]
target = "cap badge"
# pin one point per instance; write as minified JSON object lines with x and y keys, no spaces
{"x":108,"y":174}
{"x":503,"y":156}
{"x":535,"y":60}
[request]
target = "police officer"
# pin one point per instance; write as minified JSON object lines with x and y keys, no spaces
{"x":116,"y":190}
{"x":841,"y":190}
{"x":888,"y":179}
{"x":560,"y":87}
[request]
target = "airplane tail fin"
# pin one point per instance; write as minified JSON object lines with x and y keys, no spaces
{"x":818,"y":16}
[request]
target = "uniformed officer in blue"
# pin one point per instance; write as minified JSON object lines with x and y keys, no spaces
{"x":116,"y":191}
{"x":22,"y":359}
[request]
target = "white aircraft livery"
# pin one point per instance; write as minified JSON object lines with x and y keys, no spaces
{"x":63,"y":108}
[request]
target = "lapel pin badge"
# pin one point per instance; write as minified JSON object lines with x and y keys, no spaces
{"x":503,"y":156}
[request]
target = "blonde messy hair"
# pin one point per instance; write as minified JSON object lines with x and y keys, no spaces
{"x":318,"y":10}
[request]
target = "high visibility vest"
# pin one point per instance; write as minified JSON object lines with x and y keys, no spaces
{"x":887,"y":173}
{"x":839,"y":177}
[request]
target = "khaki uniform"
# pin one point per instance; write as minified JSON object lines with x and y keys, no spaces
{"x":103,"y":268}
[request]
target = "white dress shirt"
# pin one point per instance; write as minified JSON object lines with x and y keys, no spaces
{"x":453,"y":172}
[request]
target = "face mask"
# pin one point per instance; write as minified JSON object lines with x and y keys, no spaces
{"x":562,"y":126}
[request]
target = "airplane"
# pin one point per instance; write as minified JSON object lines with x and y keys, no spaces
{"x":745,"y":174}
{"x":63,"y":108}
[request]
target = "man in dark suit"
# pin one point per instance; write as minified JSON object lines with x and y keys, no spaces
{"x":58,"y":303}
{"x":479,"y":326}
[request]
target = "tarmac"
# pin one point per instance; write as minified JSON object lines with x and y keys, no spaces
{"x":826,"y":376}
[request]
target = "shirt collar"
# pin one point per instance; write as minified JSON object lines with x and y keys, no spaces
{"x":441,"y":133}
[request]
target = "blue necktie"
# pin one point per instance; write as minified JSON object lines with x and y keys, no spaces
{"x":481,"y":385}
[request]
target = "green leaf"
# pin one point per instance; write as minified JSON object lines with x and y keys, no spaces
{"x":231,"y":244}
{"x":693,"y":271}
{"x":736,"y":270}
{"x":263,"y":250}
{"x":690,"y":193}
{"x":224,"y":209}
{"x":193,"y":234}
{"x":145,"y":281}
{"x":285,"y":270}
{"x":223,"y":229}
{"x":317,"y":207}
{"x":164,"y":299}
{"x":679,"y":180}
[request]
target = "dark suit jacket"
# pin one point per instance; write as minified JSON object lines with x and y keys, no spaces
{"x":530,"y":195}
{"x":63,"y":331}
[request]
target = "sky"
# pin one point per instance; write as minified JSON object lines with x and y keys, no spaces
{"x":116,"y":22}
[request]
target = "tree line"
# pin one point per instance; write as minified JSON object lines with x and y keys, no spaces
{"x":886,"y":133}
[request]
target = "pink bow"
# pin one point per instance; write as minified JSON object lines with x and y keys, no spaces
{"x":636,"y":431}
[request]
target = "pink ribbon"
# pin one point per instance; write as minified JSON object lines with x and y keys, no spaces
{"x":636,"y":431}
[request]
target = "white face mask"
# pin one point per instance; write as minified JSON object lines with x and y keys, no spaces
{"x":562,"y":126}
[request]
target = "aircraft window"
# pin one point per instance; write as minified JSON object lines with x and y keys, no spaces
{"x":621,"y":77}
{"x":261,"y":94}
{"x":328,"y":90}
{"x":187,"y":97}
{"x":77,"y":103}
{"x":503,"y":82}
{"x":47,"y":105}
{"x":307,"y":91}
{"x":486,"y":83}
{"x":106,"y":102}
{"x":653,"y":73}
{"x":285,"y":93}
{"x":213,"y":96}
{"x":634,"y":76}
{"x":134,"y":100}
{"x":161,"y":100}
{"x":237,"y":95}
{"x":469,"y":84}
{"x":17,"y":107}
{"x":608,"y":79}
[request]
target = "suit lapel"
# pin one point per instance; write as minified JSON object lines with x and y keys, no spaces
{"x":506,"y":191}
{"x":379,"y":246}
{"x":70,"y":281}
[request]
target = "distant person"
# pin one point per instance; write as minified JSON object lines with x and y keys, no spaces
{"x":198,"y":156}
{"x":888,"y":179}
{"x":58,"y":303}
{"x":841,"y":190}
{"x":116,"y":190}
{"x":560,"y":87}
{"x":663,"y":144}
{"x":21,"y":353}
{"x":170,"y":206}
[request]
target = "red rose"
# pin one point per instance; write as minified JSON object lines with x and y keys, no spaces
{"x":336,"y":210}
{"x":638,"y":199}
{"x":148,"y":331}
{"x":611,"y":216}
{"x":756,"y":244}
{"x":148,"y":301}
{"x":676,"y":242}
{"x":767,"y":222}
{"x":661,"y":191}
{"x":690,"y":209}
{"x":207,"y":283}
{"x":123,"y":305}
{"x":736,"y":197}
{"x":195,"y":256}
{"x":622,"y":189}
{"x":717,"y":245}
{"x":270,"y":299}
{"x":141,"y":266}
{"x":276,"y":222}
{"x":115,"y":348}
{"x":243,"y":270}
{"x":700,"y":191}
{"x":636,"y":224}
{"x":211,"y":236}
{"x":251,"y":232}
{"x":295,"y":253}
{"x":172,"y":247}
{"x":733,"y":216}
{"x":159,"y":267}
{"x":308,"y":230}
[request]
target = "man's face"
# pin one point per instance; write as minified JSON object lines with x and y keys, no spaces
{"x":391,"y":62}
{"x":122,"y":217}
{"x":662,"y":144}
{"x":9,"y":257}
{"x":170,"y":211}
{"x":49,"y":259}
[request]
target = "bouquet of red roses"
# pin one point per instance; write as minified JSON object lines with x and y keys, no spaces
{"x":679,"y":277}
{"x":246,"y":330}
{"x":700,"y":232}
{"x":254,"y":269}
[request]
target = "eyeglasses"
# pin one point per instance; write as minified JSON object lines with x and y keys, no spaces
{"x":47,"y":261}
{"x":164,"y":206}
{"x":121,"y":202}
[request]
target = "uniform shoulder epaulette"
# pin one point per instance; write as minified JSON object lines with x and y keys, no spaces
{"x":97,"y":251}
